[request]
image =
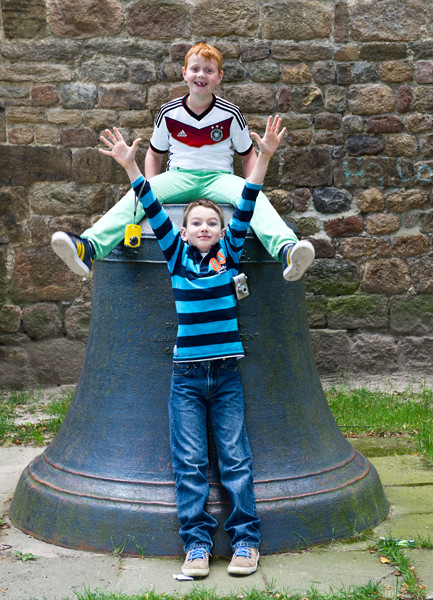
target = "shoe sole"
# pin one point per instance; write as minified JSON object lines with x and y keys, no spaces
{"x":65,"y":249}
{"x":243,"y":570}
{"x":301,"y":258}
{"x":196,"y":572}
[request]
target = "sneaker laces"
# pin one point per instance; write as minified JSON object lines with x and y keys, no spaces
{"x":197,"y":553}
{"x":243,"y":551}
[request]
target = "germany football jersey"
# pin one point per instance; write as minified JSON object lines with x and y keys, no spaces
{"x":206,"y":141}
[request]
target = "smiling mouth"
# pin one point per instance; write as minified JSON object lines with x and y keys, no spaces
{"x":200,"y":83}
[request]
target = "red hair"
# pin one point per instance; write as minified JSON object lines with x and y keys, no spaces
{"x":208,"y":52}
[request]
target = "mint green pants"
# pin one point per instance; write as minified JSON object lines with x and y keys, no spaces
{"x":179,"y":186}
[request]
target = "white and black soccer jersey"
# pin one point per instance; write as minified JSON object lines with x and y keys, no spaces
{"x":205,"y":141}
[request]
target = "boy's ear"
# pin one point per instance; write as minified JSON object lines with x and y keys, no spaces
{"x":183,"y":72}
{"x":183,"y":234}
{"x":220,"y":76}
{"x":223,"y":232}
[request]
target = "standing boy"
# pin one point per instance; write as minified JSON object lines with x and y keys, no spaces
{"x":200,"y":132}
{"x":202,"y":259}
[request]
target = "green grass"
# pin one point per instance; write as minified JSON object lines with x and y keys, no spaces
{"x":364,"y":412}
{"x":27,"y":418}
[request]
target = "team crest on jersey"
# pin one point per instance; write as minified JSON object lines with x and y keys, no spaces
{"x":216,"y":134}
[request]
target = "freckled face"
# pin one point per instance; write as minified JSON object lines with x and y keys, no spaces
{"x":203,"y":228}
{"x":201,"y":75}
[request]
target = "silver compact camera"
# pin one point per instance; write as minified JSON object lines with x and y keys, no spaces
{"x":241,"y":286}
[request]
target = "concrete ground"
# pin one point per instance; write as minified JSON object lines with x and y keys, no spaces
{"x":57,"y":572}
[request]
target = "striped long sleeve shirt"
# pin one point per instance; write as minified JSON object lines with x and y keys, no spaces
{"x":202,"y":286}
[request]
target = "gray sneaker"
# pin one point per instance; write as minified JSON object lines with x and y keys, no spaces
{"x":244,"y":561}
{"x":196,"y":563}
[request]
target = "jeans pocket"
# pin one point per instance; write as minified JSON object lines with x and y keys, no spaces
{"x":230,"y":365}
{"x":182,"y":369}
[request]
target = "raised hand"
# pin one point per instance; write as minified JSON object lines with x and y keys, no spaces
{"x":118,"y":148}
{"x":272,"y":136}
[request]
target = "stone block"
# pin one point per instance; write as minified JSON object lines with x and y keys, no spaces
{"x":374,"y":354}
{"x":388,"y":20}
{"x":411,"y":245}
{"x":331,"y":351}
{"x":365,"y":72}
{"x":24,"y":19}
{"x":253,"y":98}
{"x":39,"y":275}
{"x":332,"y":277}
{"x":396,"y":71}
{"x":357,"y":247}
{"x":78,"y":96}
{"x":56,"y":361}
{"x":331,"y":200}
{"x":358,"y":311}
{"x":10,"y":318}
{"x":71,"y":198}
{"x":404,"y":200}
{"x":388,"y":276}
{"x":401,"y":144}
{"x":379,"y":52}
{"x":296,"y":20}
{"x":343,"y":74}
{"x":384,"y":124}
{"x":301,"y":199}
{"x":283,"y":101}
{"x":90,"y":166}
{"x":370,"y":200}
{"x":382,"y":224}
{"x":370,"y":99}
{"x":127,"y":97}
{"x":295,"y":74}
{"x":347,"y":53}
{"x":424,"y":71}
{"x":421,"y":271}
{"x":426,"y":222}
{"x":360,"y":145}
{"x":327,"y":121}
{"x":42,"y":320}
{"x":301,"y":137}
{"x":323,"y":248}
{"x":78,"y":137}
{"x":422,"y":99}
{"x":323,"y":73}
{"x":3,"y":271}
{"x":341,"y":22}
{"x":352,"y":124}
{"x":154,"y":20}
{"x":307,"y":167}
{"x":14,"y":214}
{"x":77,"y":320}
{"x":264,"y":71}
{"x":403,"y":99}
{"x":416,"y":352}
{"x":316,"y":309}
{"x":344,"y":226}
{"x":42,"y":164}
{"x":44,"y":95}
{"x":300,"y":52}
{"x":412,"y":315}
{"x":253,"y":51}
{"x":86,"y":19}
{"x":225,"y":18}
{"x":307,"y":99}
{"x":16,"y":371}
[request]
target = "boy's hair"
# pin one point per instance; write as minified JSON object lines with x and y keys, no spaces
{"x":208,"y":204}
{"x":208,"y":52}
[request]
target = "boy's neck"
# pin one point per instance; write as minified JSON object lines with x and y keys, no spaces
{"x":198,"y":105}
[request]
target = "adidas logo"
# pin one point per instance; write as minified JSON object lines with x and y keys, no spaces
{"x":181,"y":134}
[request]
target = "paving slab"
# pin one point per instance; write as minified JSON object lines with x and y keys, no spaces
{"x":326,"y":571}
{"x":58,"y":572}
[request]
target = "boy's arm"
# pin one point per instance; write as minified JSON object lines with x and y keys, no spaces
{"x":267,"y":146}
{"x":152,"y":163}
{"x":248,"y":162}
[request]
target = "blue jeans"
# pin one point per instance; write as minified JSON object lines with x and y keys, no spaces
{"x":201,"y":389}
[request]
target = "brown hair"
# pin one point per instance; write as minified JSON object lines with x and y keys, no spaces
{"x":208,"y":204}
{"x":208,"y":52}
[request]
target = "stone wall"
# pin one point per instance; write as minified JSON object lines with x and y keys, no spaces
{"x":353,"y":81}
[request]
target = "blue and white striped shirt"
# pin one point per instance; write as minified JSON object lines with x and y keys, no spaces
{"x":202,"y":286}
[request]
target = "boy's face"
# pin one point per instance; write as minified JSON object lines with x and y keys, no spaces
{"x":203,"y":228}
{"x":201,"y":75}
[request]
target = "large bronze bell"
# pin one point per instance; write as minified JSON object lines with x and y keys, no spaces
{"x":106,"y":480}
